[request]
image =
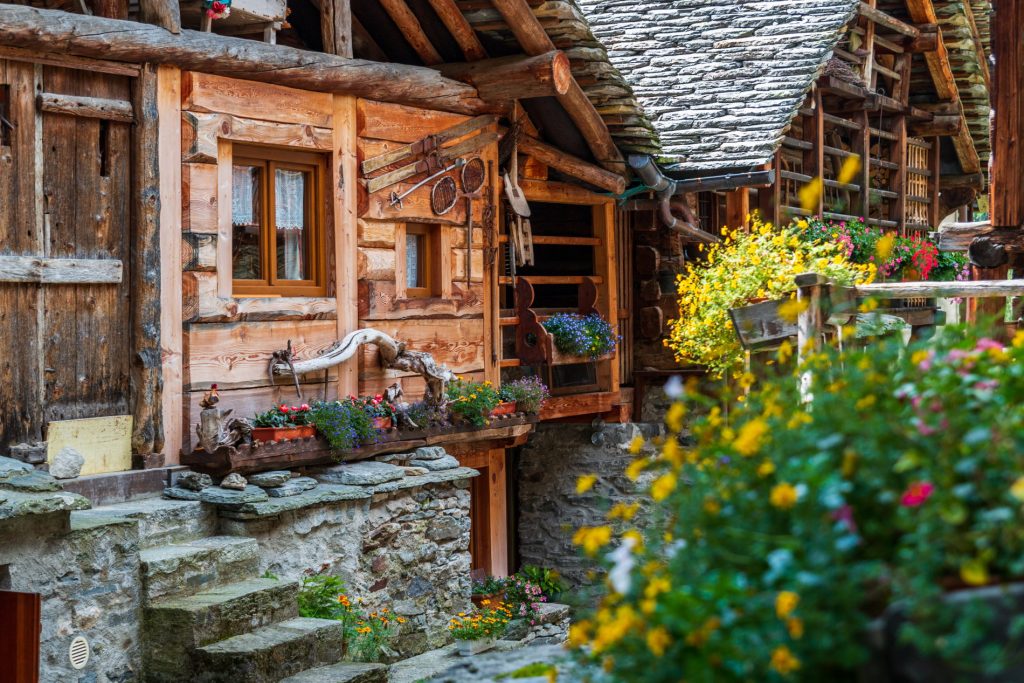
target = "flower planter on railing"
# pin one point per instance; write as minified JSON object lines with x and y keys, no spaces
{"x":273,"y":434}
{"x":534,"y":344}
{"x":382,"y":423}
{"x":504,"y":408}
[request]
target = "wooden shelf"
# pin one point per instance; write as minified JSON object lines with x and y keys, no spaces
{"x":561,"y":240}
{"x":551,"y":279}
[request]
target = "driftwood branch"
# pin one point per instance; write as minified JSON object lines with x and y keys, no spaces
{"x":393,"y":354}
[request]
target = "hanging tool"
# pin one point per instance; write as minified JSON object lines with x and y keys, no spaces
{"x":519,"y":232}
{"x":396,"y":199}
{"x":427,"y":144}
{"x":431,"y":162}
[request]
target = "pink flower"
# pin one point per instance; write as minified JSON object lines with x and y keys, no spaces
{"x":916,"y":494}
{"x":304,"y":406}
{"x":844,"y":516}
{"x":283,"y":408}
{"x":986,"y":344}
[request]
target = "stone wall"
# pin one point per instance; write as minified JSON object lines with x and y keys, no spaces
{"x":406,"y":548}
{"x":88,"y":575}
{"x":550,"y":510}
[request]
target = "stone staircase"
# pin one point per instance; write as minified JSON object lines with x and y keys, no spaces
{"x":208,"y":617}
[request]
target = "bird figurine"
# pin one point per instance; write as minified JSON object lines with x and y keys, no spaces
{"x":210,"y":398}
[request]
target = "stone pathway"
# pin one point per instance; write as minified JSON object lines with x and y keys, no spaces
{"x":496,"y":665}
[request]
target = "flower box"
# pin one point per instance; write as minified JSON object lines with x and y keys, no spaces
{"x":383,"y":423}
{"x":504,"y":408}
{"x":272,"y":434}
{"x":468,"y":648}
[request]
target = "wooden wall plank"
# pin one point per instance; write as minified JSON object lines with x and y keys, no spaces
{"x":346,"y":232}
{"x":201,"y":304}
{"x":456,"y":343}
{"x":377,"y":234}
{"x":237,"y":355}
{"x":376,"y":264}
{"x":378,"y":300}
{"x":400,"y":123}
{"x":199,"y":197}
{"x":60,"y":270}
{"x":252,"y":100}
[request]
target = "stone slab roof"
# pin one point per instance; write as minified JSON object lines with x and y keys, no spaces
{"x":719,"y":79}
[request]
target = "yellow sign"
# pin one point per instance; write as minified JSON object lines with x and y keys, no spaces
{"x":104,"y":442}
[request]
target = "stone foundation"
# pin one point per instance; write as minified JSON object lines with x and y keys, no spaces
{"x":550,"y":510}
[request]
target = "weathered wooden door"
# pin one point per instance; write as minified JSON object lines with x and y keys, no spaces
{"x":19,"y":647}
{"x":65,"y":226}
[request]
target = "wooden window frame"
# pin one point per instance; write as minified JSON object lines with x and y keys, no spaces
{"x":430,"y":260}
{"x":271,"y":159}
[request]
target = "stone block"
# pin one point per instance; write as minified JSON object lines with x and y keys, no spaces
{"x":221,"y":496}
{"x":444,"y":529}
{"x":185,"y":568}
{"x":429,"y":453}
{"x":234,"y":481}
{"x":366,"y":473}
{"x":67,"y":464}
{"x":445,"y":462}
{"x":32,"y":453}
{"x":292,"y":487}
{"x":32,"y":481}
{"x":344,"y":672}
{"x":270,"y":479}
{"x":194,"y":481}
{"x":9,"y":467}
{"x":179,"y":493}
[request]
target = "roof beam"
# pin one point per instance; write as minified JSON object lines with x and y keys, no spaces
{"x":54,"y":31}
{"x":887,"y":21}
{"x":459,"y":27}
{"x":923,"y":12}
{"x":535,"y":41}
{"x":570,"y":165}
{"x":511,"y":78}
{"x":411,"y":28}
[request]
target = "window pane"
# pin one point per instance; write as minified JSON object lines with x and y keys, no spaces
{"x":412,"y":260}
{"x":245,"y":221}
{"x":290,"y":222}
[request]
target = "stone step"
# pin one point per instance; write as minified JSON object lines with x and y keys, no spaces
{"x":271,"y":653}
{"x":344,"y":672}
{"x":186,"y":568}
{"x":173,"y":628}
{"x":161,"y":521}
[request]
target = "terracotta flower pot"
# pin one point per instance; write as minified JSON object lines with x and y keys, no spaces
{"x":504,"y":408}
{"x":271,"y":434}
{"x":382,"y":423}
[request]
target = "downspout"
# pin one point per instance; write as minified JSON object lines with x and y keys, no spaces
{"x":664,"y":189}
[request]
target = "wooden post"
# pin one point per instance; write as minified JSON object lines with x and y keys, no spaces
{"x":1008,"y":102}
{"x":336,"y":27}
{"x":737,"y":207}
{"x":935,"y":184}
{"x":810,"y":323}
{"x":346,"y":229}
{"x":169,"y":123}
{"x":814,"y":158}
{"x":146,"y":373}
{"x":769,"y":199}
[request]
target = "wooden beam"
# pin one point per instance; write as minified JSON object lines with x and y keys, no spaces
{"x":534,"y":40}
{"x":1007,"y":198}
{"x":940,"y":125}
{"x":737,"y":206}
{"x":145,"y":370}
{"x":979,"y":289}
{"x":112,"y":39}
{"x":412,"y":30}
{"x":515,"y":77}
{"x":60,"y":271}
{"x":888,"y":21}
{"x":927,"y":41}
{"x":87,"y":107}
{"x":573,"y":166}
{"x":457,"y":24}
{"x":336,"y":27}
{"x":162,"y":13}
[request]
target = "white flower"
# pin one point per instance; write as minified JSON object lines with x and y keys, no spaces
{"x":622,"y":559}
{"x":674,"y":387}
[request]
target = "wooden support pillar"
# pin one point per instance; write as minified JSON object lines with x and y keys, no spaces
{"x":336,"y":27}
{"x":863,"y":147}
{"x":898,"y":210}
{"x":344,"y":211}
{"x":1007,"y":199}
{"x":814,"y":158}
{"x":737,"y":207}
{"x":489,"y":511}
{"x":769,"y":199}
{"x":934,"y":183}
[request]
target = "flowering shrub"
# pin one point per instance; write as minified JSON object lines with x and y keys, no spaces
{"x":491,"y":622}
{"x":529,"y":393}
{"x":345,"y":423}
{"x":761,"y":263}
{"x":523,"y":597}
{"x":283,"y":416}
{"x":472,"y":401}
{"x":375,"y":406}
{"x":323,"y":596}
{"x":589,"y":336}
{"x":802,"y":521}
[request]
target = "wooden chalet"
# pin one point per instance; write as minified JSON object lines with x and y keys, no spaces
{"x":187,"y":195}
{"x":751,"y":102}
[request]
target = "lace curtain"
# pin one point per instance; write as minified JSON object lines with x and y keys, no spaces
{"x":290,"y":221}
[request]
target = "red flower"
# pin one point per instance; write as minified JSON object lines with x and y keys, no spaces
{"x":916,"y":494}
{"x":283,"y":408}
{"x":304,"y":406}
{"x":218,"y":7}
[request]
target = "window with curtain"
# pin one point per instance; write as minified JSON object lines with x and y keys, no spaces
{"x":277,"y":222}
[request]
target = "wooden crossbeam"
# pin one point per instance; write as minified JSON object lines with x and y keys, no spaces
{"x":53,"y":31}
{"x":411,"y":28}
{"x":86,"y":107}
{"x":60,"y":271}
{"x":570,"y":165}
{"x":534,"y":40}
{"x":888,"y":21}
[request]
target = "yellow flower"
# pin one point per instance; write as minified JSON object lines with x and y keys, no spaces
{"x":636,"y":444}
{"x":750,"y":437}
{"x":592,"y":539}
{"x":1017,"y":490}
{"x":674,"y":417}
{"x":785,"y":603}
{"x":784,"y":661}
{"x":865,"y":402}
{"x":634,"y":468}
{"x":783,"y":496}
{"x":712,"y":506}
{"x":658,"y":640}
{"x":585,"y":483}
{"x":849,"y":169}
{"x":663,"y":486}
{"x":791,"y":309}
{"x":810,"y":194}
{"x":795,"y":627}
{"x":974,"y":573}
{"x":766,"y":468}
{"x":579,"y":633}
{"x":883,"y":248}
{"x":623,"y":511}
{"x":638,"y":539}
{"x":656,"y":586}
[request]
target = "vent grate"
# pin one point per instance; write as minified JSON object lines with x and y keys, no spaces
{"x":78,"y":653}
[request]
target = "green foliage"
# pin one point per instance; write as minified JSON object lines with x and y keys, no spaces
{"x":488,"y":586}
{"x":529,"y":393}
{"x":472,"y":401}
{"x":283,"y":416}
{"x":319,"y":597}
{"x":534,"y":670}
{"x":802,"y":521}
{"x":490,"y":622}
{"x":588,"y":336}
{"x":345,"y":424}
{"x":548,"y":580}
